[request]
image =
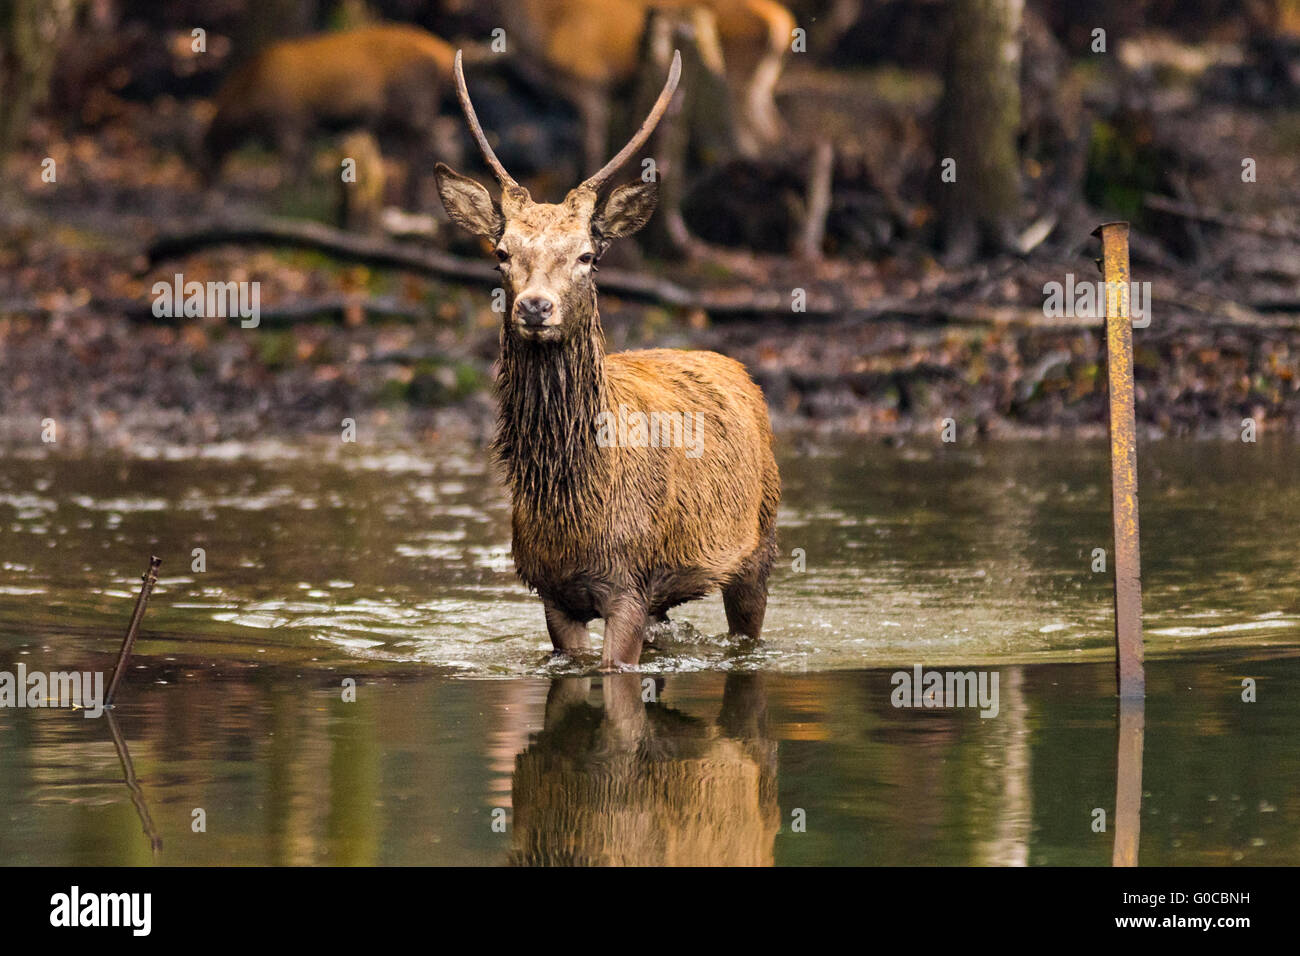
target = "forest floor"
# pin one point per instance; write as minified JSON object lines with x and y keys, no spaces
{"x":908,"y":343}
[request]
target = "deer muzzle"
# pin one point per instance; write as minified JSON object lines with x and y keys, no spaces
{"x":536,"y":312}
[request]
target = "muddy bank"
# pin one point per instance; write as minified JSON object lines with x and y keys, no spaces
{"x":79,"y":344}
{"x":914,"y":344}
{"x":115,"y":381}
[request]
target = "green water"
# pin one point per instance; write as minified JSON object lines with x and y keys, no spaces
{"x":469,"y":743}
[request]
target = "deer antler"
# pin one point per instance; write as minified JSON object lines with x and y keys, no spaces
{"x":594,"y":183}
{"x":503,"y":177}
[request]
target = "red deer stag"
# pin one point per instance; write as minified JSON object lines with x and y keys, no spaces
{"x":639,"y":480}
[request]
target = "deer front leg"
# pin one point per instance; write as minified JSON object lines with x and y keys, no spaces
{"x":568,"y":635}
{"x":625,"y":623}
{"x":566,"y":694}
{"x":624,"y":724}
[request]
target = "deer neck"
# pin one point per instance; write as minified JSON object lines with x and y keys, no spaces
{"x":550,"y":395}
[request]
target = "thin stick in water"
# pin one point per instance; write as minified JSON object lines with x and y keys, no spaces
{"x":150,"y":578}
{"x":133,"y":784}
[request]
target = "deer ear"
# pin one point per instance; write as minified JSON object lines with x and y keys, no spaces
{"x":468,"y":203}
{"x":627,"y":209}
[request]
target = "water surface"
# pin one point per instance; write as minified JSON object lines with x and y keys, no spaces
{"x":391,"y":567}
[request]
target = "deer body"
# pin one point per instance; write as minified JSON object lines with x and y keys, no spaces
{"x":605,"y":525}
{"x":380,"y":77}
{"x":594,"y":524}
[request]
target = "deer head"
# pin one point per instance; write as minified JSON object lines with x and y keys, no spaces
{"x":548,"y":252}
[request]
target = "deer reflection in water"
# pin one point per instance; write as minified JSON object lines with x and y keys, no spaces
{"x":631,"y":782}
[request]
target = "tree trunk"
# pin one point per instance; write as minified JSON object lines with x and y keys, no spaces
{"x":30,"y":34}
{"x":978,"y":121}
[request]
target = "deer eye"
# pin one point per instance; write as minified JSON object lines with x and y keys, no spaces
{"x":502,"y":255}
{"x":587,"y":258}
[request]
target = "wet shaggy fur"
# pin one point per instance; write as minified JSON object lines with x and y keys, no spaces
{"x":642,"y":530}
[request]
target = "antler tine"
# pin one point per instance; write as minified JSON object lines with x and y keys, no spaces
{"x":503,"y":177}
{"x":656,"y":114}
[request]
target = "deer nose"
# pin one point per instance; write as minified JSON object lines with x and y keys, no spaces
{"x":534,"y":310}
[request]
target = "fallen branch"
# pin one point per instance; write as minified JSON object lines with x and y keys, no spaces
{"x":374,"y":251}
{"x":942,"y":302}
{"x":823,"y":300}
{"x":738,"y":299}
{"x":302,"y":234}
{"x":1253,"y":224}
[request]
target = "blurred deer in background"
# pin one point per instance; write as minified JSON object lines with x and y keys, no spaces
{"x":593,"y":46}
{"x":386,"y":78}
{"x":615,"y":529}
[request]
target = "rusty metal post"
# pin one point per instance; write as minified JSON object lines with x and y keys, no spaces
{"x":1123,"y":461}
{"x":1128,"y":782}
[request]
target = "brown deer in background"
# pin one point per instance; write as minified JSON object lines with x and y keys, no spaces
{"x":387,"y":78}
{"x":592,"y":46}
{"x":607,"y":523}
